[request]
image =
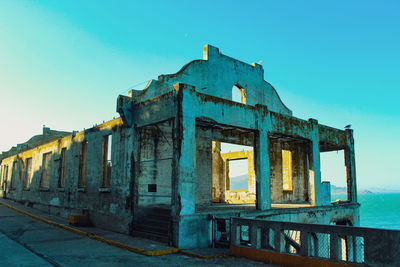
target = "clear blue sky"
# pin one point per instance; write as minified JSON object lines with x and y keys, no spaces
{"x":63,"y":63}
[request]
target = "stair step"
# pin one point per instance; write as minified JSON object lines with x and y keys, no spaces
{"x":159,"y":217}
{"x":160,"y":211}
{"x":152,"y":229}
{"x":153,"y":222}
{"x":151,"y":236}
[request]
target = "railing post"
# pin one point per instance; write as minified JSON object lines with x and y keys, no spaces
{"x":305,"y":243}
{"x":277,"y":239}
{"x":235,"y":233}
{"x":254,"y":238}
{"x":265,"y":238}
{"x":335,"y":247}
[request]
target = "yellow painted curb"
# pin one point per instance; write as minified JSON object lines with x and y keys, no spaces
{"x":196,"y":255}
{"x":98,"y":238}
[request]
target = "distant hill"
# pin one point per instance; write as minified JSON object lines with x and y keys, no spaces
{"x":239,"y":182}
{"x":337,"y":190}
{"x":383,"y":190}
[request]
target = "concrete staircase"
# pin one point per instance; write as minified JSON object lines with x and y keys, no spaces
{"x":153,"y":223}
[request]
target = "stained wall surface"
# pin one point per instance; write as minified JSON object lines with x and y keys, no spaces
{"x":155,"y":164}
{"x":102,"y":204}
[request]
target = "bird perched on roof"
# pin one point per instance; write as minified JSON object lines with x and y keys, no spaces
{"x":347,"y":126}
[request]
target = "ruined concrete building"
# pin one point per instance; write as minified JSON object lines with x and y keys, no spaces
{"x":160,"y":170}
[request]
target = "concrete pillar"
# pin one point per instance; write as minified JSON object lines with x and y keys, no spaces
{"x":133,"y":169}
{"x":184,"y":129}
{"x":261,"y":158}
{"x":185,"y":230}
{"x":350,"y":162}
{"x":315,"y":165}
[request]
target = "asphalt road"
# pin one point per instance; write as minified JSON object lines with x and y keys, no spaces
{"x":25,"y":241}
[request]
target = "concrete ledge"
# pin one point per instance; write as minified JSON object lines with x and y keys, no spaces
{"x":281,"y":259}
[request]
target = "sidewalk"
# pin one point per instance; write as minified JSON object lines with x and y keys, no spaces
{"x":134,"y":244}
{"x":14,"y":222}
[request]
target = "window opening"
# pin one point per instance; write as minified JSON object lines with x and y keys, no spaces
{"x":107,"y":162}
{"x":287,"y":176}
{"x":45,"y":180}
{"x":61,"y":170}
{"x":82,"y":165}
{"x":238,"y":174}
{"x":239,"y":94}
{"x":28,"y":173}
{"x":333,"y":170}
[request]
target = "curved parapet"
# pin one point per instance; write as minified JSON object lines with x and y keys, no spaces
{"x":215,"y":75}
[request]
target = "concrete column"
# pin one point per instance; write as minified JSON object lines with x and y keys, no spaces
{"x":261,"y":158}
{"x":315,"y":165}
{"x":183,"y":170}
{"x":350,"y":162}
{"x":133,"y":169}
{"x":187,"y":230}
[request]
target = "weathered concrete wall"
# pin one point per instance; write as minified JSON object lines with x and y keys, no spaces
{"x":203,"y":171}
{"x":154,"y":164}
{"x":215,"y":75}
{"x":299,"y":194}
{"x":103,"y":205}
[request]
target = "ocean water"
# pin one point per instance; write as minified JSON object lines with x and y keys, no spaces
{"x":378,"y":210}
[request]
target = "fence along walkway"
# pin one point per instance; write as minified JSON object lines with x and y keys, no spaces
{"x":345,"y":244}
